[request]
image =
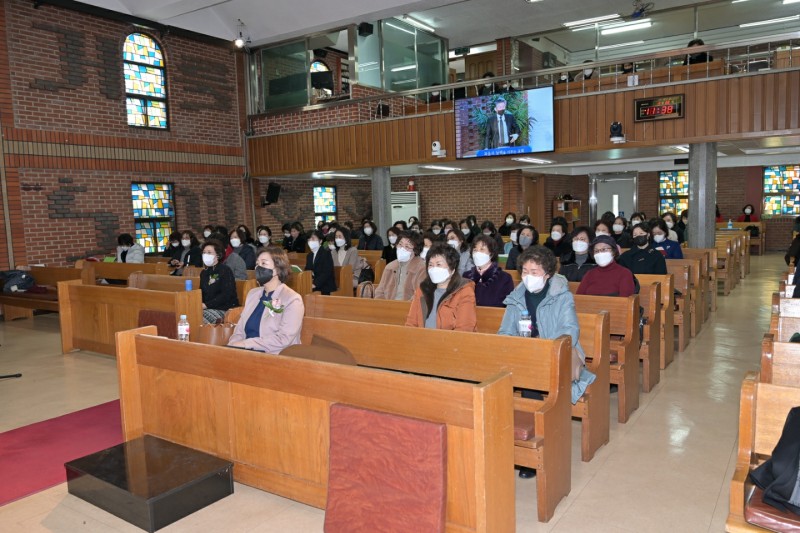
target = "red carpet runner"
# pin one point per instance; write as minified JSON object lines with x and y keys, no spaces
{"x":32,"y":457}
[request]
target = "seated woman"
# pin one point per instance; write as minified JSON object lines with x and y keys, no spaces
{"x":511,"y":219}
{"x":558,"y":241}
{"x":621,"y":235}
{"x":402,"y":276}
{"x":208,"y":229}
{"x":436,"y":230}
{"x":444,"y":299}
{"x":637,"y":218}
{"x":390,"y":250}
{"x":264,"y":236}
{"x":129,"y":251}
{"x":608,"y":278}
{"x":487,"y":228}
{"x":492,"y":283}
{"x":239,"y":246}
{"x":345,"y":254}
{"x":217,"y":283}
{"x":456,"y":239}
{"x":273,"y":313}
{"x":507,"y":246}
{"x":579,"y":261}
{"x":370,"y":240}
{"x":641,"y":258}
{"x":675,"y":233}
{"x":320,"y":262}
{"x":748,"y":214}
{"x":527,"y":237}
{"x":466,"y":230}
{"x":659,"y":242}
{"x":190,"y":255}
{"x":428,"y":239}
{"x":173,"y":250}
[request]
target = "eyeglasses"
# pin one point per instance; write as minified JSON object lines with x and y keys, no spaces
{"x":601,"y":250}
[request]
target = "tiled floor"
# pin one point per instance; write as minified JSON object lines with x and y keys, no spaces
{"x":666,"y":470}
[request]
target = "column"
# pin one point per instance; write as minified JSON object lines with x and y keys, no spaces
{"x":702,"y":195}
{"x":382,"y":198}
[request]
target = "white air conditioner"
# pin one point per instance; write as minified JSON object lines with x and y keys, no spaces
{"x":405,"y":204}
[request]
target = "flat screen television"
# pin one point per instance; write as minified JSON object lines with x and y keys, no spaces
{"x":525,"y":126}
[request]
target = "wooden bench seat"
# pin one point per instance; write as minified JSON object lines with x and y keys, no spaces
{"x":23,"y":304}
{"x":667,"y":310}
{"x":271,"y":417}
{"x":710,"y":256}
{"x":697,"y":289}
{"x":724,"y":265}
{"x":760,"y":242}
{"x":122,"y":271}
{"x":683,"y":303}
{"x":780,"y":359}
{"x":158,"y":282}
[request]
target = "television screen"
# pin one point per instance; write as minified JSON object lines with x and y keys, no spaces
{"x":525,"y":125}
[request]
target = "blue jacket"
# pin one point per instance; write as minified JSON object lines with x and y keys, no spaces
{"x":672,"y":249}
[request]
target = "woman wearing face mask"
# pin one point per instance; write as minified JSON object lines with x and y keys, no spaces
{"x":413,"y":221}
{"x":620,"y":233}
{"x":344,"y":253}
{"x":585,"y":74}
{"x":208,"y":229}
{"x":390,"y":250}
{"x":239,"y":246}
{"x":264,"y":236}
{"x":320,"y":262}
{"x":748,"y":214}
{"x":660,"y":243}
{"x":641,"y":258}
{"x":444,"y":299}
{"x":466,"y":230}
{"x":492,"y":283}
{"x":579,"y":261}
{"x":272,"y":317}
{"x":527,"y":237}
{"x":456,"y":239}
{"x":608,"y":278}
{"x":402,"y":277}
{"x":488,"y":87}
{"x":487,"y":228}
{"x":637,"y":218}
{"x":672,"y":225}
{"x":505,"y":229}
{"x":217,"y":283}
{"x":129,"y":251}
{"x":248,"y":236}
{"x":173,"y":249}
{"x":513,"y":236}
{"x":428,"y":240}
{"x":191,"y":254}
{"x":558,"y":241}
{"x":296,"y":241}
{"x":370,"y":240}
{"x":436,"y":230}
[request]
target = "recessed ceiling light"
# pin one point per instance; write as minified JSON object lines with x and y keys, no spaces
{"x":418,"y":24}
{"x":681,"y":148}
{"x":533,"y":160}
{"x":620,"y":45}
{"x":583,"y":22}
{"x":628,"y":26}
{"x":771,"y":21}
{"x":405,"y":67}
{"x":785,"y":2}
{"x":439,"y":167}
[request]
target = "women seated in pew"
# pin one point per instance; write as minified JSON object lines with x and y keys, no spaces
{"x":273,"y":313}
{"x":264,"y":237}
{"x":620,"y":233}
{"x":512,"y":242}
{"x":129,"y":251}
{"x":466,"y":230}
{"x":402,"y":276}
{"x":190,"y":253}
{"x":370,"y":240}
{"x":641,"y":258}
{"x":526,"y":238}
{"x":344,"y":253}
{"x":675,"y":233}
{"x":487,"y":228}
{"x":456,"y":239}
{"x":296,"y":241}
{"x":511,"y":219}
{"x":173,"y":249}
{"x":428,"y":238}
{"x":579,"y":261}
{"x":659,"y":242}
{"x":320,"y":262}
{"x":444,"y":299}
{"x":239,"y":246}
{"x":208,"y":229}
{"x":217,"y":283}
{"x":608,"y":278}
{"x":558,"y":240}
{"x":492,"y":283}
{"x":390,"y":250}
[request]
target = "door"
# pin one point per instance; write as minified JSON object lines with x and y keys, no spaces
{"x":615,"y":193}
{"x":534,"y":202}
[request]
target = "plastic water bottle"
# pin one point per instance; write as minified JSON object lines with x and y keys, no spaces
{"x":730,"y":223}
{"x":525,"y":323}
{"x":188,"y":284}
{"x":183,"y":329}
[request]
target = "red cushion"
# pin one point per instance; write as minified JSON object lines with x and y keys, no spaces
{"x":387,"y":473}
{"x":523,"y":425}
{"x":760,"y":514}
{"x":165,"y":322}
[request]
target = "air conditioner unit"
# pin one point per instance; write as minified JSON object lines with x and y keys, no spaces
{"x":405,"y":204}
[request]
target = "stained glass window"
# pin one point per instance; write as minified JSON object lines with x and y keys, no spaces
{"x":782,"y":190}
{"x":324,"y":204}
{"x":673,"y":191}
{"x":154,"y":214}
{"x":145,"y":85}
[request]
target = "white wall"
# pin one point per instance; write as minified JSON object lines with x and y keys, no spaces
{"x":621,"y":185}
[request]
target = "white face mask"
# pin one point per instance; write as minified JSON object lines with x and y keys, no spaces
{"x":340,"y":242}
{"x":636,"y":221}
{"x":603,"y":258}
{"x":487,"y":84}
{"x":436,"y":231}
{"x":263,"y":239}
{"x":509,"y":220}
{"x":601,"y":233}
{"x":438,"y":274}
{"x":480,"y":259}
{"x":534,"y":283}
{"x":465,"y":231}
{"x":556,"y":235}
{"x":286,"y":235}
{"x":580,"y":247}
{"x":313,"y":245}
{"x":235,"y":243}
{"x":186,"y":243}
{"x":208,"y":259}
{"x":659,"y":238}
{"x":618,"y":228}
{"x":332,"y":247}
{"x":453,"y":243}
{"x":206,"y":234}
{"x":587,"y":72}
{"x":424,"y":252}
{"x":403,"y":255}
{"x":174,"y":244}
{"x":748,"y":211}
{"x":669,"y":224}
{"x":368,"y":231}
{"x":392,"y":239}
{"x":513,"y":236}
{"x":487,"y":233}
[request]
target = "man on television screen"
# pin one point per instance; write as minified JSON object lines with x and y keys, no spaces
{"x":501,"y":127}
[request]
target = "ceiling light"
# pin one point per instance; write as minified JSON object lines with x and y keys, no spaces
{"x":438,"y":167}
{"x":620,"y":45}
{"x":591,"y":20}
{"x":330,"y":174}
{"x":738,"y":1}
{"x":241,"y":41}
{"x":533,"y":1}
{"x":681,"y":148}
{"x":418,"y":24}
{"x":533,"y":160}
{"x":771,"y":21}
{"x":401,"y":29}
{"x":627,"y":27}
{"x":785,"y":2}
{"x":405,"y":67}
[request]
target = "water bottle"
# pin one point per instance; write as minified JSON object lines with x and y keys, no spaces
{"x":524,"y":326}
{"x":188,"y":284}
{"x":730,"y":223}
{"x":183,"y":329}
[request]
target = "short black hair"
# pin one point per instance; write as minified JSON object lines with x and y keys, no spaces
{"x":450,"y":254}
{"x":414,"y":237}
{"x":125,"y":239}
{"x":219,"y":248}
{"x":489,"y":242}
{"x":540,"y":255}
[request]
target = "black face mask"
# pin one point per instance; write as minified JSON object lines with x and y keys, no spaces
{"x":641,"y":240}
{"x":263,"y":275}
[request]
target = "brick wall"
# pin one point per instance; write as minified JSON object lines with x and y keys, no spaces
{"x":575,"y":186}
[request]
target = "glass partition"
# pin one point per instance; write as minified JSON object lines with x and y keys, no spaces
{"x":369,"y":58}
{"x":285,"y":75}
{"x":399,"y":55}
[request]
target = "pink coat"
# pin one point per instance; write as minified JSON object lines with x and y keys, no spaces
{"x":278,"y":331}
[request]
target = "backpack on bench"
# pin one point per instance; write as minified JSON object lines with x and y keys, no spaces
{"x":16,"y":281}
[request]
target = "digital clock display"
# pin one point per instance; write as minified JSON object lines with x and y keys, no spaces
{"x":660,"y":108}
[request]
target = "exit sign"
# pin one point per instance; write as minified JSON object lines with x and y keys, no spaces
{"x":461,"y":51}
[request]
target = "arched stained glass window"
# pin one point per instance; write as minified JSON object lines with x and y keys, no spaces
{"x":145,"y":83}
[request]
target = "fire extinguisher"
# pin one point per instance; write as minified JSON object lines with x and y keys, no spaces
{"x":411,"y":185}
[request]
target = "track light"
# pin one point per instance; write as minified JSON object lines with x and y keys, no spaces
{"x":241,"y":41}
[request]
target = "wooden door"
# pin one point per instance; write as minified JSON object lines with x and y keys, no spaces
{"x":533,"y":195}
{"x":475,"y":66}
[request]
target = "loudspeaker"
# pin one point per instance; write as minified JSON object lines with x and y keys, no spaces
{"x":365,"y":29}
{"x":273,"y":192}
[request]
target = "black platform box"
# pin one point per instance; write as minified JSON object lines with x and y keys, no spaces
{"x":150,"y":482}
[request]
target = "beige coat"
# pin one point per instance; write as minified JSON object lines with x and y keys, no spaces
{"x":350,"y":258}
{"x":414,"y":275}
{"x":277,"y":331}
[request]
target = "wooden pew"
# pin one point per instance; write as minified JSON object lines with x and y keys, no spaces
{"x":245,"y":407}
{"x":724,"y":263}
{"x":760,"y":242}
{"x":344,"y":280}
{"x":592,"y":408}
{"x":537,"y":364}
{"x":156,"y":259}
{"x":300,"y":282}
{"x":667,"y":319}
{"x":121,"y":271}
{"x":22,"y":304}
{"x":683,"y":302}
{"x":372,"y":256}
{"x":157,"y":282}
{"x":762,"y":412}
{"x":90,"y":315}
{"x":710,"y":255}
{"x":702,"y":280}
{"x":780,"y":359}
{"x":697,"y":288}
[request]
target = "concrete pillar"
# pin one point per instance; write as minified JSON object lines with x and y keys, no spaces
{"x":702,"y":195}
{"x":382,"y":198}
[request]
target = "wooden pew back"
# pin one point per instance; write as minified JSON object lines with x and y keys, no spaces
{"x":121,"y":271}
{"x":780,"y":362}
{"x":50,"y":276}
{"x":344,"y":280}
{"x":157,"y":282}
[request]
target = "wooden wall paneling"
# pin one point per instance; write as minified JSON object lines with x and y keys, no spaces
{"x":780,"y":100}
{"x":745,"y":105}
{"x":757,"y":102}
{"x":734,"y":102}
{"x":770,"y":109}
{"x":722,"y":107}
{"x":794,"y":100}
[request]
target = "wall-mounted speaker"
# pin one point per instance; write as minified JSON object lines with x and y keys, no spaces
{"x":273,"y":193}
{"x":365,"y":29}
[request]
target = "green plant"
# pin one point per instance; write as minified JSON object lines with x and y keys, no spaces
{"x":516,"y":105}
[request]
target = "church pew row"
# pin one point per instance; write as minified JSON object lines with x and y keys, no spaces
{"x":760,"y":242}
{"x":244,"y":407}
{"x":697,"y":289}
{"x":725,"y":266}
{"x":122,"y":271}
{"x":300,"y":282}
{"x":683,"y":303}
{"x":542,"y":427}
{"x":667,"y":310}
{"x":90,"y":315}
{"x":592,"y":409}
{"x":780,"y":359}
{"x":23,"y":304}
{"x":157,"y":282}
{"x":710,"y":255}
